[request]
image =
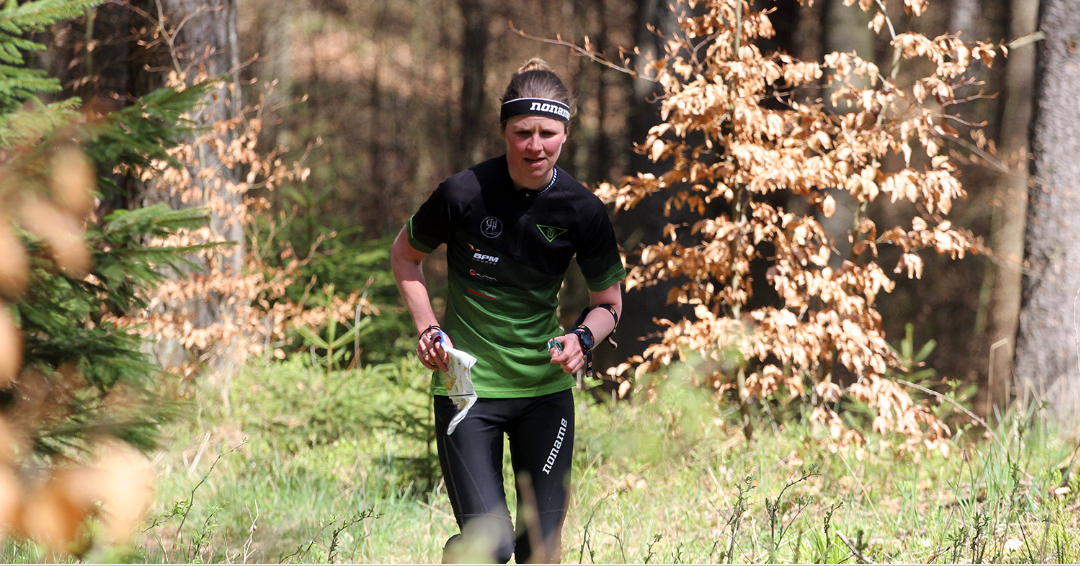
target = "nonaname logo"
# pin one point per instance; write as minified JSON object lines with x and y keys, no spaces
{"x":551,"y":232}
{"x":556,"y":447}
{"x":553,"y":109}
{"x":491,"y":227}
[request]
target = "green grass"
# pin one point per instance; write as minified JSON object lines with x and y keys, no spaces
{"x":309,"y":467}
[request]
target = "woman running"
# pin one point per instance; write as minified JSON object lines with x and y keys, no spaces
{"x":511,"y":225}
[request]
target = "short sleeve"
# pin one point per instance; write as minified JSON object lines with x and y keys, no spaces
{"x":430,"y":226}
{"x":598,"y":252}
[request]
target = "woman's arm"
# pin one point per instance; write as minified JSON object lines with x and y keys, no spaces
{"x":599,"y":321}
{"x":405,"y":261}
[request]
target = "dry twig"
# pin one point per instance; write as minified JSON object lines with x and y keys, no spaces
{"x":858,"y":555}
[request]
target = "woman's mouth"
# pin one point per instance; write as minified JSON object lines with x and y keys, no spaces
{"x":534,"y":162}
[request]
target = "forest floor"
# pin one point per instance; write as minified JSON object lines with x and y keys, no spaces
{"x":298,"y":465}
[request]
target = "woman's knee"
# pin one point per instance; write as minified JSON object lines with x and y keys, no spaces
{"x":482,"y":540}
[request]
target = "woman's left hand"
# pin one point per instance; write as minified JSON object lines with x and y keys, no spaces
{"x":572,"y":360}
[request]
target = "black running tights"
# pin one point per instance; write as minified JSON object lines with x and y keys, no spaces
{"x":541,"y":433}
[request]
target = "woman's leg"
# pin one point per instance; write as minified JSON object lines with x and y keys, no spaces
{"x":471,"y":461}
{"x":542,"y":451}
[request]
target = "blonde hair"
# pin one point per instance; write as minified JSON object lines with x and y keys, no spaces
{"x":536,"y":79}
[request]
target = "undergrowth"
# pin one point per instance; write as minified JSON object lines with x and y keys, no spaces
{"x":315,"y":467}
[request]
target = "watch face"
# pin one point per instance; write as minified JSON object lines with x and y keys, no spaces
{"x":586,"y":339}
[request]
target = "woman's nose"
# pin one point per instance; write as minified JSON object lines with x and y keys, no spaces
{"x":533,"y":143}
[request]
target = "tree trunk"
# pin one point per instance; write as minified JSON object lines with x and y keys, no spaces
{"x":846,"y":30}
{"x":645,"y":223}
{"x":963,"y":15}
{"x":808,"y":44}
{"x":1047,"y":356}
{"x":205,"y":39}
{"x":1007,"y":232}
{"x":474,"y":44}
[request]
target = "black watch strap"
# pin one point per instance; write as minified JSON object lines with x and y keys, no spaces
{"x":582,"y":331}
{"x":585,"y":337}
{"x":614,"y":315}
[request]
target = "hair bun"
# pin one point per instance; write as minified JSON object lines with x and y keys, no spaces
{"x":536,"y":79}
{"x":535,"y":64}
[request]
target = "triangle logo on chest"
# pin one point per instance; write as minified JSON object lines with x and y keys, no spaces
{"x":551,"y":232}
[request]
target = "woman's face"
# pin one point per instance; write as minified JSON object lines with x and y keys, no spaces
{"x":533,"y":144}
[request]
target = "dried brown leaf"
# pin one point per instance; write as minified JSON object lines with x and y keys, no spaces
{"x":61,"y":233}
{"x":10,"y":499}
{"x":10,"y":348}
{"x":14,"y":265}
{"x":73,"y":181}
{"x":54,"y":513}
{"x":124,"y":487}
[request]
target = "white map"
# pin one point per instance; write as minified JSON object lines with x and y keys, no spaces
{"x":459,"y":385}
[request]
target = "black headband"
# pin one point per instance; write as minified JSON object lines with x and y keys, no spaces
{"x":535,"y":107}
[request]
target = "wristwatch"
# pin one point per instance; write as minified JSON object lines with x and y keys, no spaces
{"x":585,"y":337}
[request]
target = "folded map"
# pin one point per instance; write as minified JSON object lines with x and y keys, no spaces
{"x":459,"y":385}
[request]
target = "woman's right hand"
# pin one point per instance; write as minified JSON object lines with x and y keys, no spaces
{"x":570,"y":357}
{"x":431,"y":349}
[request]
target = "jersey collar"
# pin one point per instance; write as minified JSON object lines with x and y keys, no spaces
{"x":551,"y":183}
{"x":531,"y":195}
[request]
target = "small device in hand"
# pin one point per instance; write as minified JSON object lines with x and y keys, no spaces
{"x":555,"y":344}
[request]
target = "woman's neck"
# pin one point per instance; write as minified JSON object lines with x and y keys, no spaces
{"x":523,"y":187}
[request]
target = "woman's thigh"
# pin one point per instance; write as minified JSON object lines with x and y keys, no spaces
{"x":471,"y":460}
{"x":542,"y":451}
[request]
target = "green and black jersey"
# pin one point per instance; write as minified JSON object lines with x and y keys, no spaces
{"x":507,"y":252}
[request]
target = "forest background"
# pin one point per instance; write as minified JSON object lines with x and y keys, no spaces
{"x":327,"y":123}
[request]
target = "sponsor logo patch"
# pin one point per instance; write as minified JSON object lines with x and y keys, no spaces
{"x":556,"y":447}
{"x":551,"y":232}
{"x":478,"y":275}
{"x":484,"y":258}
{"x":491,"y":227}
{"x":550,"y":109}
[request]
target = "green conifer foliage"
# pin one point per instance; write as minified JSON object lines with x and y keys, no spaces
{"x":81,"y":377}
{"x":18,"y":83}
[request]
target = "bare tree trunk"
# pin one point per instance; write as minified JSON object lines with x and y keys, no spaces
{"x":272,"y":35}
{"x":808,"y":37}
{"x":381,"y":122}
{"x":962,"y":18}
{"x":846,"y":30}
{"x":591,"y":138}
{"x":1046,"y":349}
{"x":645,"y":223}
{"x":1007,"y":231}
{"x":205,"y":39}
{"x":474,"y":44}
